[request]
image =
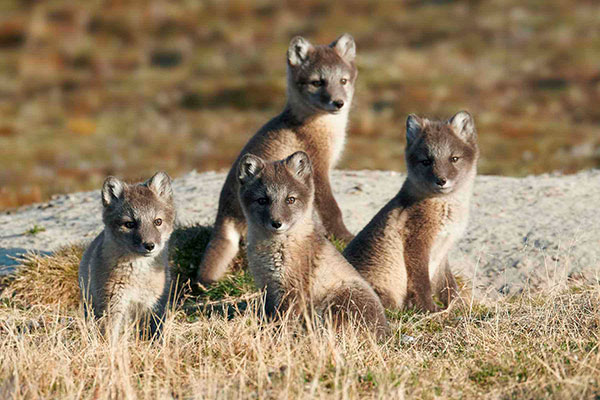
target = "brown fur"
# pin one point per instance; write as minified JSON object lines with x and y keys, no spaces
{"x":308,"y":123}
{"x":402,"y":252}
{"x":299,"y":268}
{"x":120,"y":279}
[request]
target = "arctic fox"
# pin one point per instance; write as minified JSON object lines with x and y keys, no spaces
{"x":124,"y":273}
{"x":320,"y":87}
{"x":288,"y":253}
{"x":403,"y":251}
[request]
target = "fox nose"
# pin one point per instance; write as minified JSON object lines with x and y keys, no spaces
{"x":276,"y":224}
{"x":441,"y":182}
{"x":149,"y":246}
{"x":339,"y":104}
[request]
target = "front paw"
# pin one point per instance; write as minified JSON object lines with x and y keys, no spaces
{"x":423,"y":304}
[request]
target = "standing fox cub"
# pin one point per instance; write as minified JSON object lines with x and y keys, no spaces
{"x":124,"y":273}
{"x":403,"y":251}
{"x":320,"y":86}
{"x":288,"y":253}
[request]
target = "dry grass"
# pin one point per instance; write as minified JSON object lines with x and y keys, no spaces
{"x":535,"y":345}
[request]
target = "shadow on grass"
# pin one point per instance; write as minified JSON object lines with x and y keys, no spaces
{"x":228,"y":297}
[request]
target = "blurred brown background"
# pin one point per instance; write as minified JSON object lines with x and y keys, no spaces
{"x":91,"y":88}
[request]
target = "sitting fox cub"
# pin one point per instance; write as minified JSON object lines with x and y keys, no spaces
{"x":403,"y":251}
{"x":288,"y":253}
{"x":320,"y":86}
{"x":124,"y":273}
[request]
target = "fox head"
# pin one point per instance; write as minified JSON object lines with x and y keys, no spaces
{"x":322,"y":78}
{"x":441,"y":155}
{"x":276,"y":195}
{"x":139,"y":217}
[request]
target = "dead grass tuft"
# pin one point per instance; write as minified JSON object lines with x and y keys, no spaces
{"x":47,"y":280}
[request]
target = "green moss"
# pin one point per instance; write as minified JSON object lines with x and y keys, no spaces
{"x":34,"y":230}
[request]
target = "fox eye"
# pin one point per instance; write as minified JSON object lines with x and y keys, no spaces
{"x":454,"y":159}
{"x":129,"y":224}
{"x":343,"y":81}
{"x":317,"y":83}
{"x":158,"y":222}
{"x":262,"y":201}
{"x":290,"y":200}
{"x":426,"y":162}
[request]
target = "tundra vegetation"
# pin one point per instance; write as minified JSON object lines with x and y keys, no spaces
{"x":540,"y":344}
{"x":91,"y":89}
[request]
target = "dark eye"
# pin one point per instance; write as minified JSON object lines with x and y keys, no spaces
{"x":426,"y":162}
{"x":317,"y":83}
{"x":262,"y":201}
{"x":158,"y":222}
{"x":290,"y":200}
{"x":343,"y":81}
{"x":129,"y":224}
{"x":454,"y":159}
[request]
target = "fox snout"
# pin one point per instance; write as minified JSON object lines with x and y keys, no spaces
{"x":147,"y":242}
{"x":277,"y":225}
{"x":334,"y":103}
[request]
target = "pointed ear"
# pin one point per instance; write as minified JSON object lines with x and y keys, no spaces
{"x":345,"y":47}
{"x":414,"y":127}
{"x":112,"y":191}
{"x":160,"y":184}
{"x":463,"y":125}
{"x":299,"y":164}
{"x":249,"y":167}
{"x":298,"y":51}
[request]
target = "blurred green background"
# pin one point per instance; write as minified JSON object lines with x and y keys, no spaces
{"x":91,"y":88}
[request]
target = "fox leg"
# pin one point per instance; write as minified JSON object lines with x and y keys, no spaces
{"x":328,"y":208}
{"x":223,"y":247}
{"x":357,"y":302}
{"x":444,"y":284}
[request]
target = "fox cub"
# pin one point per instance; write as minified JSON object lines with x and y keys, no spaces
{"x":288,"y":253}
{"x":403,"y":251}
{"x":124,"y":273}
{"x":320,"y":87}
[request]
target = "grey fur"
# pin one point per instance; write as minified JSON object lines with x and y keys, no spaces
{"x":124,"y":273}
{"x":320,"y":87}
{"x":288,"y":253}
{"x":402,"y":252}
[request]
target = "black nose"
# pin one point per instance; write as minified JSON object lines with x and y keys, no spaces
{"x":276,"y":224}
{"x":338,"y":103}
{"x":149,"y":246}
{"x":441,"y":182}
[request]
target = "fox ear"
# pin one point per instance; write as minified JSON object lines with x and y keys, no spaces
{"x":414,"y":127}
{"x":160,"y":184}
{"x":249,"y":167}
{"x":112,"y":191}
{"x":298,"y":51}
{"x":299,"y":163}
{"x":463,"y":125}
{"x":345,"y":47}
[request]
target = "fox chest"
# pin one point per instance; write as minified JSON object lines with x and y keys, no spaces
{"x":325,"y":137}
{"x":452,"y":224}
{"x":275,"y":266}
{"x":267,"y":263}
{"x":137,"y":283}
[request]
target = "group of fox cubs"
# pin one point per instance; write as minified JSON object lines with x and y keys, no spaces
{"x":278,"y":195}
